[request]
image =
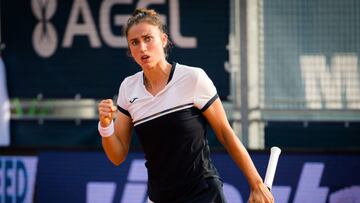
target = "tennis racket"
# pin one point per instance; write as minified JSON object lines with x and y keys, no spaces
{"x":271,"y":168}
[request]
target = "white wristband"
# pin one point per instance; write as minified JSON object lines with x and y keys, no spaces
{"x":107,"y":131}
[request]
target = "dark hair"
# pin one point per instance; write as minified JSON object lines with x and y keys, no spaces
{"x":149,"y":16}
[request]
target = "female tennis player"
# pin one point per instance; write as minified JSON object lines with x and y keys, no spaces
{"x":169,"y":106}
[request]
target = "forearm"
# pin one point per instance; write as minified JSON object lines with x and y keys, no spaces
{"x":242,"y":158}
{"x":114,"y":149}
{"x":216,"y":116}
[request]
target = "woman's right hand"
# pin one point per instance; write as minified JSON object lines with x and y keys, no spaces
{"x":107,"y":111}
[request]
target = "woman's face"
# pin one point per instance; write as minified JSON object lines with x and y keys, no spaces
{"x":146,"y":43}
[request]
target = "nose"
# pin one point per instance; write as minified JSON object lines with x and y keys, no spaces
{"x":142,"y":46}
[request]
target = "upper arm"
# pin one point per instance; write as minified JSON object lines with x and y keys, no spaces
{"x":216,"y":116}
{"x":123,"y":122}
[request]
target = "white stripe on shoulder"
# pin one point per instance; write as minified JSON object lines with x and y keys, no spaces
{"x":162,"y":113}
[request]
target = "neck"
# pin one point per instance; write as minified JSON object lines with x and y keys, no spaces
{"x":157,"y":77}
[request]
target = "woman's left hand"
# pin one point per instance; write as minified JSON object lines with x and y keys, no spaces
{"x":261,"y":194}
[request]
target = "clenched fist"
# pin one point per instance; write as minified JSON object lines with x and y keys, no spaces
{"x":106,"y":112}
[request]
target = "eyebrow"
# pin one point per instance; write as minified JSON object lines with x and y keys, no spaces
{"x":142,"y":36}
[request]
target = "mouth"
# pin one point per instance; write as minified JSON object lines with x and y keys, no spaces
{"x":145,"y":58}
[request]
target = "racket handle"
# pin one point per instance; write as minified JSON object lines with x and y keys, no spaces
{"x":271,"y":168}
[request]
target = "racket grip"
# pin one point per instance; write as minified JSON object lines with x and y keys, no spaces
{"x":271,"y":168}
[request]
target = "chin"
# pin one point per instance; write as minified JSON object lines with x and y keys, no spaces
{"x":148,"y":65}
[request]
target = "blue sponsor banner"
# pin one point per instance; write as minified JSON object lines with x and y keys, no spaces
{"x":300,"y":178}
{"x":17,"y":178}
{"x":64,"y":48}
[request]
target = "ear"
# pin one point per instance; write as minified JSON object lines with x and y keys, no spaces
{"x":164,"y":39}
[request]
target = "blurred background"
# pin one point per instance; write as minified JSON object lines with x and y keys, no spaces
{"x":287,"y":72}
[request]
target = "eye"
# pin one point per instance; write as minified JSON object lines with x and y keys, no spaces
{"x":134,"y":42}
{"x":148,"y":38}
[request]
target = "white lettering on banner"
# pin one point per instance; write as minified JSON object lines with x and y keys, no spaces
{"x":119,"y":20}
{"x":17,"y":178}
{"x":308,"y":189}
{"x":135,"y":189}
{"x":231,"y":193}
{"x":179,"y":40}
{"x":134,"y":193}
{"x":105,"y":26}
{"x":281,"y":193}
{"x":346,"y":195}
{"x":100,"y":192}
{"x":45,"y":36}
{"x":336,"y":86}
{"x":87,"y":28}
{"x":137,"y":171}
